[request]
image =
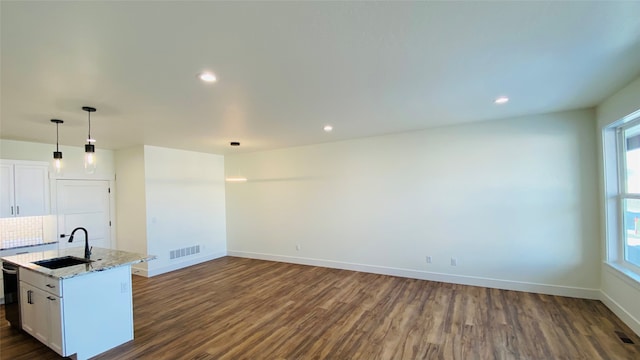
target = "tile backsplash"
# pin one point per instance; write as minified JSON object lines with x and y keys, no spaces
{"x":21,"y":231}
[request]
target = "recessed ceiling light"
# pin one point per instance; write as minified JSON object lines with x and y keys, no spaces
{"x":501,"y":100}
{"x":328,"y":128}
{"x":207,"y":76}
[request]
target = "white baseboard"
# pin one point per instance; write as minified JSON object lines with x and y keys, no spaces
{"x":620,"y":312}
{"x":584,"y":293}
{"x":175,"y":266}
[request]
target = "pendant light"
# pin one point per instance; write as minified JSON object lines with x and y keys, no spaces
{"x":89,"y":148}
{"x":57,"y":155}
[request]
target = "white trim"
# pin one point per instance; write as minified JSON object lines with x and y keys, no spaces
{"x":630,"y":120}
{"x":82,"y":176}
{"x":112,"y":214}
{"x":559,"y":290}
{"x":631,"y":321}
{"x":626,"y":120}
{"x":629,"y":276}
{"x":624,"y":194}
{"x":24,"y":162}
{"x":630,"y":279}
{"x":620,"y":312}
{"x":137,"y":270}
{"x":610,"y":193}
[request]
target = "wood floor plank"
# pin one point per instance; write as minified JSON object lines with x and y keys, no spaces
{"x":235,"y":308}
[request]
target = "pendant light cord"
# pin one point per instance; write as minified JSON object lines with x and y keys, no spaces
{"x":57,"y":135}
{"x":89,"y":138}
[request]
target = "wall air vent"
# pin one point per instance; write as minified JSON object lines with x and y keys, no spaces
{"x":191,"y":250}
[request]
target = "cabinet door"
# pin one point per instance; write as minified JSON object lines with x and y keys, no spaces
{"x":33,"y":308}
{"x":6,"y":191}
{"x":1,"y":284}
{"x":31,"y":195}
{"x":54,"y":305}
{"x":42,"y":316}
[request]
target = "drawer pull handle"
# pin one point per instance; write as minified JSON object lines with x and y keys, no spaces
{"x":50,"y":286}
{"x":51,"y":298}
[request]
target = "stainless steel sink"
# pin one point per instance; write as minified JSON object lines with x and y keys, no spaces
{"x":61,"y":262}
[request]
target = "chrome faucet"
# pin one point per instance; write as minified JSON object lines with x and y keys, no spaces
{"x":87,"y":251}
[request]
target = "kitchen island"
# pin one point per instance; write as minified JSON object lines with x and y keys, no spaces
{"x":77,"y":310}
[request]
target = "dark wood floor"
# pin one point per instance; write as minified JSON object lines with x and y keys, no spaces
{"x":234,"y":308}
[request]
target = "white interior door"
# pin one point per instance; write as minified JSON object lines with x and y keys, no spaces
{"x":84,"y":203}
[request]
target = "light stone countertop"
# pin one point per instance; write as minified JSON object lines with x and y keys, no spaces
{"x":9,"y":245}
{"x":102,"y":259}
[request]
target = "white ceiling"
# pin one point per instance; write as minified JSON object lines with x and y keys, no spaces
{"x":286,"y":69}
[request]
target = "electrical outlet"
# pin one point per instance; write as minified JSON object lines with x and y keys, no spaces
{"x":297,"y":247}
{"x":428,"y":259}
{"x":454,"y":262}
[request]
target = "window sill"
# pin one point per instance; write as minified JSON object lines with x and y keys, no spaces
{"x":628,"y":276}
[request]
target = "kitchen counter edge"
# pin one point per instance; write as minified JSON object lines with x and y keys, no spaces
{"x":103,"y":259}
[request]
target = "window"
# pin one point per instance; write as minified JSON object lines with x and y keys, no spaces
{"x":621,"y":151}
{"x":629,"y":176}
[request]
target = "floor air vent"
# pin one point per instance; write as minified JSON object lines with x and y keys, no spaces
{"x":191,"y":250}
{"x":625,"y":339}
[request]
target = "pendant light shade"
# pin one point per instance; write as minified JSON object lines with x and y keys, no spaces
{"x":57,"y":155}
{"x":89,"y":148}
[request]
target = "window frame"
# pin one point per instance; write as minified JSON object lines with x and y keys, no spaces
{"x":615,"y":192}
{"x":623,"y":193}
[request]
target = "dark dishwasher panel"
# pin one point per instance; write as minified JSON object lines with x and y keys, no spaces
{"x":11,"y":294}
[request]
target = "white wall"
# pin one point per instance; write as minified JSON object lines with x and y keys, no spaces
{"x":620,"y":292}
{"x":184,"y":201}
{"x":185,"y":206}
{"x":131,"y":202}
{"x":514,"y":201}
{"x":73,"y":157}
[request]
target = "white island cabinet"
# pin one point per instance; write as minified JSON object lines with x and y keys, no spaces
{"x":81,"y":310}
{"x":41,"y":309}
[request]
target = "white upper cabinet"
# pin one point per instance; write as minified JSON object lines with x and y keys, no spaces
{"x":24,"y":188}
{"x":6,"y":190}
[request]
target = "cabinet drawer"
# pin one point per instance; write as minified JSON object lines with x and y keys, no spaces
{"x":41,"y":281}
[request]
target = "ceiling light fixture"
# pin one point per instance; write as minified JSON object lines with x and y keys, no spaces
{"x":57,"y":155}
{"x":328,"y":128}
{"x":89,"y":148}
{"x":501,"y":100}
{"x":207,"y":76}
